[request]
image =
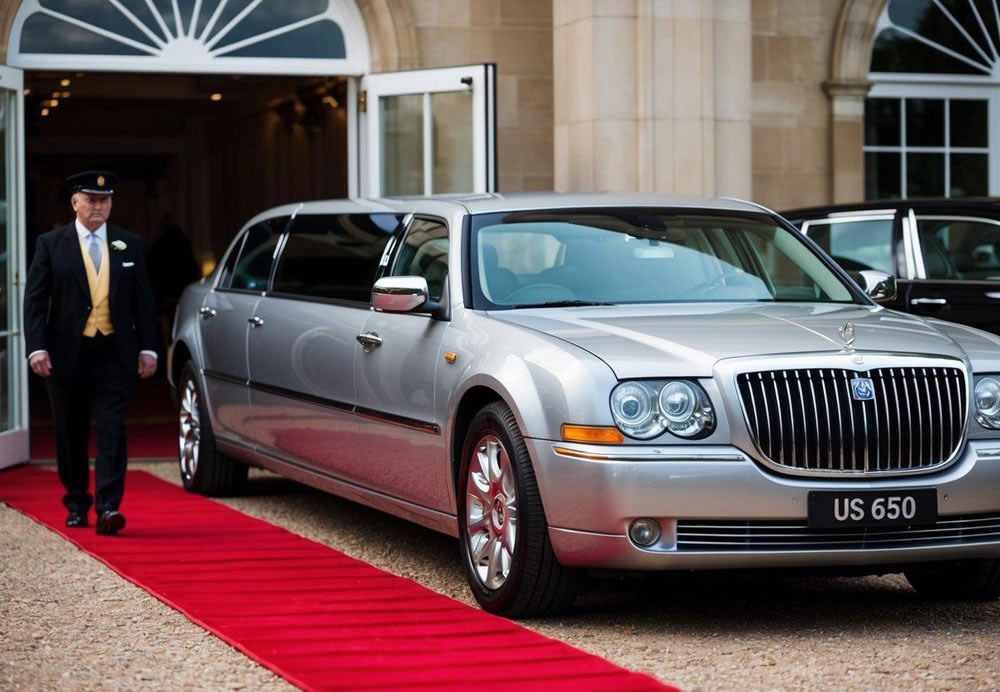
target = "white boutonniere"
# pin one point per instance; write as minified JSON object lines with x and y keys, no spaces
{"x":118,"y":245}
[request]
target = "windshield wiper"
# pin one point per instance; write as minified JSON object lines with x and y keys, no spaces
{"x":559,"y":304}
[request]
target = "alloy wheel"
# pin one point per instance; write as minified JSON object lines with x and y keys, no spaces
{"x":190,"y":430}
{"x":491,"y":512}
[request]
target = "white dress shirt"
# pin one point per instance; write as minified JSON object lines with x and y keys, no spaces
{"x":84,"y":234}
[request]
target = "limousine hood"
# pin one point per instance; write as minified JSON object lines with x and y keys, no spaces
{"x":688,"y":340}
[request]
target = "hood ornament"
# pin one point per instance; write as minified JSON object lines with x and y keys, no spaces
{"x":847,"y":334}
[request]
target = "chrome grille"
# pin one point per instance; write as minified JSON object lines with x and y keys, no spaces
{"x":762,"y":535}
{"x":808,"y":422}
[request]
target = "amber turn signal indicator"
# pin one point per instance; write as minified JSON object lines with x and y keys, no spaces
{"x":450,"y":357}
{"x":592,"y":435}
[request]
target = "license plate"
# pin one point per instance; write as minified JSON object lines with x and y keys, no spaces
{"x":871,"y":508}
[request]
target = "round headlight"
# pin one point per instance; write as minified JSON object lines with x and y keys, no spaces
{"x":677,"y":401}
{"x":644,"y":409}
{"x":988,"y":402}
{"x":686,"y":408}
{"x":633,"y":405}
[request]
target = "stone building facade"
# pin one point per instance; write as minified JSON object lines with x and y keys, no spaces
{"x":762,"y":99}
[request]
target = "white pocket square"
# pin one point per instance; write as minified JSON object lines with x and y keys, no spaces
{"x":128,"y":264}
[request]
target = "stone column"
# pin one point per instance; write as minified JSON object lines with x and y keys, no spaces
{"x":847,"y":139}
{"x":653,"y":95}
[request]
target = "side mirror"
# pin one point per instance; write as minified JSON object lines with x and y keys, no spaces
{"x":399,"y":293}
{"x":879,"y":286}
{"x":404,"y":294}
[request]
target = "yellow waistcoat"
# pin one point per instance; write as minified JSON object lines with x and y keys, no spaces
{"x":100,"y":288}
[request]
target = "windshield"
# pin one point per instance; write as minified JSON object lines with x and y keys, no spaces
{"x":610,"y":256}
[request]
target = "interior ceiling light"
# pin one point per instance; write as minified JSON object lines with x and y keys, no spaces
{"x":45,"y":112}
{"x":27,"y":92}
{"x":332,"y":101}
{"x":216,"y":96}
{"x":65,"y":83}
{"x":52,"y":103}
{"x":64,"y":94}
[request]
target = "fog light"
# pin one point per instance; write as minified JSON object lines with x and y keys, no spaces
{"x":644,"y":532}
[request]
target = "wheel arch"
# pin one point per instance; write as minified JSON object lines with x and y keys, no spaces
{"x":472,"y":400}
{"x":179,"y":355}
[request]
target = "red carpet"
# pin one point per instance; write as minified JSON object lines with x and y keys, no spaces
{"x":145,"y":441}
{"x":313,"y":615}
{"x":151,"y":424}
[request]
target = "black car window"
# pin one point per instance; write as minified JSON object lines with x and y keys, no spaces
{"x":334,"y":256}
{"x":425,"y":253}
{"x":960,"y":248}
{"x":856,"y":245}
{"x":253,"y":268}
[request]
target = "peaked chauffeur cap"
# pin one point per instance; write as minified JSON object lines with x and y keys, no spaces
{"x":94,"y":182}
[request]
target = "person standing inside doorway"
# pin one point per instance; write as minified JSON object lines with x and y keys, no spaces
{"x":90,"y":328}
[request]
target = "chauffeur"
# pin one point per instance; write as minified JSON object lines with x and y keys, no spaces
{"x":90,"y":327}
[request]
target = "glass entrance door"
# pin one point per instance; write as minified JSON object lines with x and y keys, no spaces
{"x":13,"y":367}
{"x":429,"y":132}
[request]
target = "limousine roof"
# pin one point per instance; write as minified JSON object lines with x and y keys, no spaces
{"x":519,"y":201}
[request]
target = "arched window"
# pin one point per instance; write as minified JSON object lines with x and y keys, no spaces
{"x":222,"y":36}
{"x":931,"y":117}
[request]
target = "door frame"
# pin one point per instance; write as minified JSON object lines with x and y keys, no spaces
{"x":15,"y":442}
{"x":364,"y":143}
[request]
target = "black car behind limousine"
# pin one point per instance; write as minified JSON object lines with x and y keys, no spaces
{"x":945,"y":253}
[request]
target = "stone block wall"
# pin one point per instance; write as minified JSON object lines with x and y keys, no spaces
{"x":792,"y":42}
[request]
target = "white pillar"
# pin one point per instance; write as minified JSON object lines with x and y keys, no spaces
{"x":653,"y":95}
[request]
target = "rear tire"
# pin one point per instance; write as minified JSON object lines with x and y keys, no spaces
{"x":204,"y":469}
{"x":959,"y":580}
{"x":507,"y":555}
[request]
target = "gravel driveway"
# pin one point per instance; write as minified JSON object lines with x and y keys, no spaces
{"x":67,"y":622}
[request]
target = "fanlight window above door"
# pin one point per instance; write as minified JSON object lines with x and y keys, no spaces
{"x":959,"y":37}
{"x":228,"y":36}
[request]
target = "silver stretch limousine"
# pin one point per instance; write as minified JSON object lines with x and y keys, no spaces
{"x":597,"y":381}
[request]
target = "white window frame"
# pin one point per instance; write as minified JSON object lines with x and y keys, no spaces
{"x":905,"y":85}
{"x":479,"y":79}
{"x":191,"y":54}
{"x":940,"y":90}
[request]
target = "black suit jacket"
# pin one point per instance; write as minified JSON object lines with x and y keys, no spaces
{"x":57,"y":299}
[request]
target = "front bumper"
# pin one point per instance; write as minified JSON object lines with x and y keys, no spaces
{"x":592,"y":493}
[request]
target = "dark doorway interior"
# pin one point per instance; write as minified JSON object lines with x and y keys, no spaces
{"x":209,"y":151}
{"x":205,"y":152}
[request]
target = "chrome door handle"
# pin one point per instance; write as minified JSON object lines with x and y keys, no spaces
{"x":928,"y":301}
{"x":369,"y":340}
{"x":256,"y":322}
{"x":207,"y":312}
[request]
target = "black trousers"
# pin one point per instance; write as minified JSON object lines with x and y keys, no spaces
{"x":99,"y":383}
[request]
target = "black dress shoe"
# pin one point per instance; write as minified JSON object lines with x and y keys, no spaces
{"x":110,"y":522}
{"x":76,"y":520}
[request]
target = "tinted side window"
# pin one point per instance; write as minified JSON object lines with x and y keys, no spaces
{"x":960,"y":248}
{"x":334,"y":255}
{"x":857,"y":245}
{"x":254,"y":265}
{"x":425,"y":253}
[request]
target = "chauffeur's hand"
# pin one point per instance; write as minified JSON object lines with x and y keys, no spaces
{"x":147,"y":365}
{"x":41,"y":364}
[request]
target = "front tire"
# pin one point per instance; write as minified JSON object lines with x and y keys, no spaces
{"x":504,"y":536}
{"x":960,"y":580}
{"x":204,"y":470}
